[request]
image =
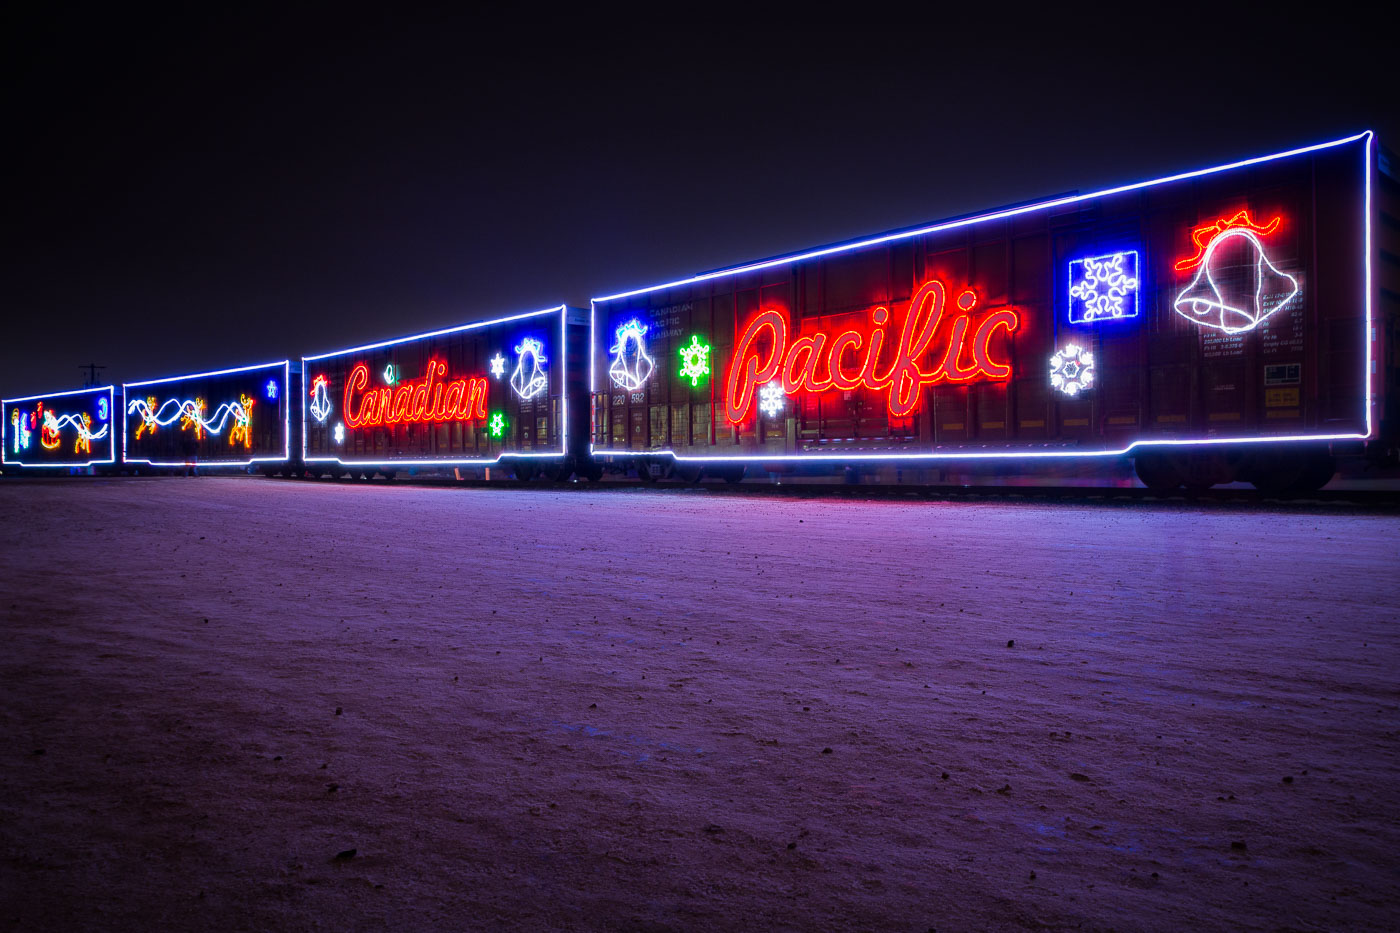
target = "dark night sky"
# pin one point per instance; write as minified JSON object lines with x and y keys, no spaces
{"x":234,"y":184}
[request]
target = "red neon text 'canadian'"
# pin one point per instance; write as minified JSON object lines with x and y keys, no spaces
{"x":429,"y":399}
{"x":851,"y":359}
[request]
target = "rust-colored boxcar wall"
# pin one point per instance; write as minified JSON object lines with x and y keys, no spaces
{"x":1159,"y":375}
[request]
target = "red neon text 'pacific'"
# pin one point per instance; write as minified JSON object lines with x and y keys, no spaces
{"x":428,"y":399}
{"x":851,"y":359}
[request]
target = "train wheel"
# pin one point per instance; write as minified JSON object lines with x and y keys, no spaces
{"x":730,"y":474}
{"x":1295,"y":473}
{"x":1157,"y":472}
{"x":1277,"y":472}
{"x":689,"y":474}
{"x":524,"y":472}
{"x":1318,"y":472}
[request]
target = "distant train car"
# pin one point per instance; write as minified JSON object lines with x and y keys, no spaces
{"x":493,"y":392}
{"x":231,"y":418}
{"x":60,"y":430}
{"x":1213,"y":326}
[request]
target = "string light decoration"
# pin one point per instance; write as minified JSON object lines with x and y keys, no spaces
{"x":497,"y":425}
{"x":1103,"y":288}
{"x":391,"y":374}
{"x":1231,"y":296}
{"x":1072,"y":369}
{"x":270,"y":390}
{"x":320,"y":399}
{"x":22,"y":423}
{"x":498,"y":366}
{"x":695,"y":360}
{"x":102,"y":410}
{"x":190,"y":414}
{"x":242,"y":423}
{"x":50,"y":434}
{"x":339,"y":433}
{"x":83,"y":445}
{"x":631,"y":366}
{"x":528,"y":384}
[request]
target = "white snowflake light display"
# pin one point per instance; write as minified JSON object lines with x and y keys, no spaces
{"x":498,"y":366}
{"x":497,"y":425}
{"x":770,"y":399}
{"x":1072,"y":369}
{"x":339,"y":433}
{"x":1103,"y":288}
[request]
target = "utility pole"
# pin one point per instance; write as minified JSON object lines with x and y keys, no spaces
{"x":92,"y":369}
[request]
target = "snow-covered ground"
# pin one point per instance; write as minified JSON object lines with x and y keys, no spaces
{"x":671,"y":710}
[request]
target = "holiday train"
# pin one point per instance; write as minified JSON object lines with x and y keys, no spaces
{"x":1234,"y":323}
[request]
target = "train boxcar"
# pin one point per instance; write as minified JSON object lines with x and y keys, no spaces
{"x":61,"y":429}
{"x":485,"y":393}
{"x":1214,"y":326}
{"x":229,"y":418}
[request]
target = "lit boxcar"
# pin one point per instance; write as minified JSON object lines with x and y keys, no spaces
{"x":61,"y":429}
{"x":485,"y":393}
{"x":230,"y":418}
{"x":1213,"y":326}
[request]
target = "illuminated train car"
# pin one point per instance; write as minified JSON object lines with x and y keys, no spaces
{"x":62,"y":429}
{"x":486,"y":393}
{"x":230,"y":418}
{"x":1212,"y":326}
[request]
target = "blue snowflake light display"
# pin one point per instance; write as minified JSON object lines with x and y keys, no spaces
{"x":1103,"y":288}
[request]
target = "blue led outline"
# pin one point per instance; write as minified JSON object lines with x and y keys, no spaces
{"x":563,"y":312}
{"x":962,"y":454}
{"x":211,"y":464}
{"x":1136,"y":293}
{"x":112,"y":443}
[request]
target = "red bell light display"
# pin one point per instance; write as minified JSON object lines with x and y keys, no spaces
{"x":1221,"y":306}
{"x":875,"y":358}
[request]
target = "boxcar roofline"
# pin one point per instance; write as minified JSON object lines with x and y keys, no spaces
{"x":964,"y":221}
{"x":216,"y":372}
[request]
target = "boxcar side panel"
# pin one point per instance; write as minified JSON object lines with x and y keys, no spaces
{"x":1223,"y":306}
